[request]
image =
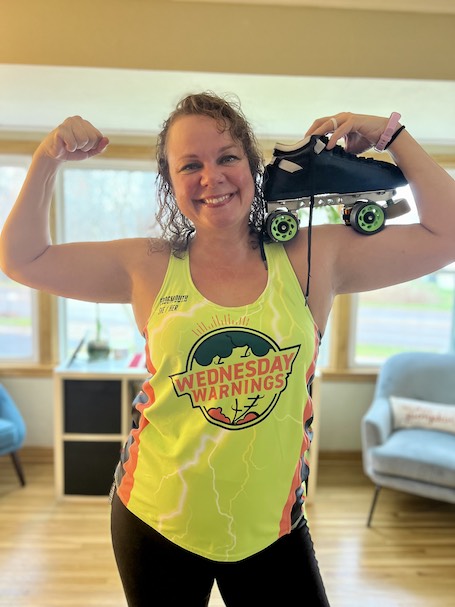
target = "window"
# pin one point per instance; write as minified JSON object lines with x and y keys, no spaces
{"x":18,"y":304}
{"x":107,"y":198}
{"x":104,"y":200}
{"x":417,"y":315}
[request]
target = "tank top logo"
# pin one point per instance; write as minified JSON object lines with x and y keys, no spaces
{"x":235,"y":376}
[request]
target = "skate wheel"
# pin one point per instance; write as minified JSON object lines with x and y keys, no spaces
{"x":346,"y":215}
{"x":281,"y":226}
{"x":367,"y":218}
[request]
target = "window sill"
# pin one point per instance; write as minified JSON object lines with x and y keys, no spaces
{"x":357,"y":374}
{"x":26,"y":370}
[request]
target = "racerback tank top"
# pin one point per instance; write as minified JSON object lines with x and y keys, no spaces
{"x":216,"y":459}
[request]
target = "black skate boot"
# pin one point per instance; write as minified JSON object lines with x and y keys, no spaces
{"x":306,"y":174}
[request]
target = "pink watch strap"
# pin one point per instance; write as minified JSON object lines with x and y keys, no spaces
{"x":388,"y":132}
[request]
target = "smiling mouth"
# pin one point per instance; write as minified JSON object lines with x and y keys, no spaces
{"x":216,"y":200}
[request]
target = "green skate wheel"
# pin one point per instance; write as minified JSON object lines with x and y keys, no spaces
{"x":281,"y":226}
{"x":367,"y":217}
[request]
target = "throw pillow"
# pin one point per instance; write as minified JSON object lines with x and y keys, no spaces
{"x":413,"y":413}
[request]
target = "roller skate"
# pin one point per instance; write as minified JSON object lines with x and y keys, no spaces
{"x":306,"y":174}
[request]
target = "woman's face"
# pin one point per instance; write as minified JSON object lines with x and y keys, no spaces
{"x":210,"y":174}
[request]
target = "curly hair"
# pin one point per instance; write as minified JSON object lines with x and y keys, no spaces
{"x":176,"y":228}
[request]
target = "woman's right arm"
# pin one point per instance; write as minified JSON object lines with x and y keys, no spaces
{"x":91,"y":271}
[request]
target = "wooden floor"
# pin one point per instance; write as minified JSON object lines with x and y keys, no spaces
{"x":58,"y":554}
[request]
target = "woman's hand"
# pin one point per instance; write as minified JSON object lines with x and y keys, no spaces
{"x":74,"y":139}
{"x":360,"y":131}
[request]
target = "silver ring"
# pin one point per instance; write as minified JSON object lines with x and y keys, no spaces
{"x":335,"y":123}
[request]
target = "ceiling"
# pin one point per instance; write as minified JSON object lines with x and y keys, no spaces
{"x":131,"y":104}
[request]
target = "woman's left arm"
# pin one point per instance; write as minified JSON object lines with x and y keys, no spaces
{"x":432,"y":187}
{"x":400,"y":252}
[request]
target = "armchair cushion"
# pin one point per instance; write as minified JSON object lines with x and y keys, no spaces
{"x":426,"y":456}
{"x":413,"y":413}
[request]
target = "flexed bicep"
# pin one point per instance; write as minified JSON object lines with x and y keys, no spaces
{"x":26,"y":236}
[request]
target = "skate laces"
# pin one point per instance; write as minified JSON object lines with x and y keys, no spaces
{"x":310,"y":232}
{"x":339,"y":150}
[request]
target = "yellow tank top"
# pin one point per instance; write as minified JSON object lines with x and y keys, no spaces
{"x":216,"y":460}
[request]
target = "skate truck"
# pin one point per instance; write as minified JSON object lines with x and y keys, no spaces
{"x":308,"y":175}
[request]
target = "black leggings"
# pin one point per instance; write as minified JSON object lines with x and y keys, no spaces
{"x":156,"y":572}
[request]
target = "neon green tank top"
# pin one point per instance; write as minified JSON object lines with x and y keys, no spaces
{"x":216,"y":460}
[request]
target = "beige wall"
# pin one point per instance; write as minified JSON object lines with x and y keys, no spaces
{"x":170,"y":35}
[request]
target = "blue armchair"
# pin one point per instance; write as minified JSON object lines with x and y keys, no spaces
{"x":12,"y":431}
{"x":417,"y":457}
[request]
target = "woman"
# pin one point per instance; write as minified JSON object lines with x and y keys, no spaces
{"x":211,"y":483}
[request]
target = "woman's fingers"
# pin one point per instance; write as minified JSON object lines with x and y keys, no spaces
{"x":360,"y":131}
{"x":74,"y":139}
